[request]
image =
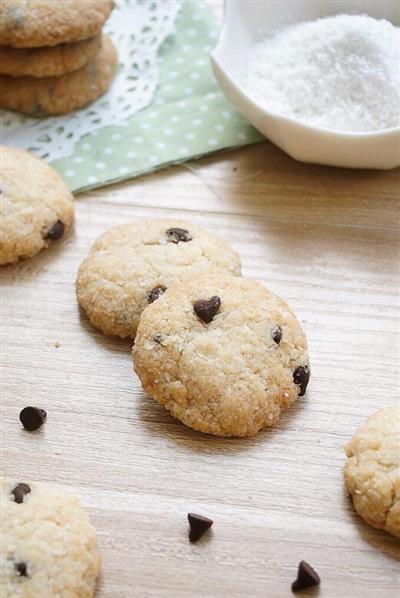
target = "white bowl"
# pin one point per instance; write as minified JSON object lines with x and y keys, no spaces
{"x":243,"y":23}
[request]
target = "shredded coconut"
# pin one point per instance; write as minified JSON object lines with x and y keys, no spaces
{"x":340,"y":72}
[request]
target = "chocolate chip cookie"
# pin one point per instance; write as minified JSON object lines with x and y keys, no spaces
{"x":50,"y":61}
{"x":130,"y":266}
{"x":36,"y":207}
{"x":60,"y":95}
{"x":372,"y":472}
{"x":48,"y":546}
{"x":36,"y":23}
{"x":222,"y":354}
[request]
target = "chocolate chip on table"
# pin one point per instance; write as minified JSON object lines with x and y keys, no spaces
{"x":55,"y":232}
{"x":20,"y":491}
{"x":32,"y":418}
{"x":306,"y":578}
{"x":301,"y":376}
{"x":175,"y":235}
{"x":276,"y":334}
{"x":21,"y":569}
{"x":206,"y":309}
{"x":198,"y":526}
{"x":155,"y":293}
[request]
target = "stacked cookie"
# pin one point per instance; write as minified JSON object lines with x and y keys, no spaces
{"x":53,"y":56}
{"x":222,"y":353}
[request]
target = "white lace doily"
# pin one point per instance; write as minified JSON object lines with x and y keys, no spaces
{"x":138,"y":28}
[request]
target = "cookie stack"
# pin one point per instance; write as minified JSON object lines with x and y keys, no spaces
{"x":223,"y":354}
{"x":53,"y":57}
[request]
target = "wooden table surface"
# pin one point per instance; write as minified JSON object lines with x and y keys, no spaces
{"x":327,"y":241}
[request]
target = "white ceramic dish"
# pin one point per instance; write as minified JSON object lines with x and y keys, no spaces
{"x":244,"y":23}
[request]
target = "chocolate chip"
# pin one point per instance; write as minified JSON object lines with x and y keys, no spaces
{"x":158,"y":338}
{"x":198,"y":526}
{"x":301,"y":376}
{"x":155,"y":293}
{"x":20,"y":491}
{"x":306,"y":578}
{"x":32,"y":418}
{"x":206,"y":309}
{"x":55,"y":232}
{"x":22,"y":569}
{"x":175,"y":235}
{"x":276,"y":334}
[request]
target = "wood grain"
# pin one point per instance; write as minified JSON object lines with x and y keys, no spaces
{"x":327,"y":240}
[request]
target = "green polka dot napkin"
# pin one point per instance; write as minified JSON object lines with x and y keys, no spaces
{"x":188,"y":117}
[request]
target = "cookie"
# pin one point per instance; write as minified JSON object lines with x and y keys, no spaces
{"x":131,"y":265}
{"x":223,"y":354}
{"x":372,"y":472}
{"x":60,"y":95}
{"x":48,"y":546}
{"x":36,"y":23}
{"x":50,"y":61}
{"x":36,"y":207}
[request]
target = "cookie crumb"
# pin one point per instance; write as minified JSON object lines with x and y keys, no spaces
{"x":57,"y":345}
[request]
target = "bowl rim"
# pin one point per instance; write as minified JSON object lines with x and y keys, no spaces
{"x":215,"y":60}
